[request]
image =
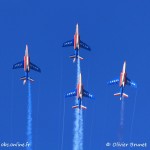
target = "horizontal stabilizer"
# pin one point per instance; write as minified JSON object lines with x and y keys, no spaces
{"x":74,"y":57}
{"x":77,"y":106}
{"x":24,"y":78}
{"x":117,"y":94}
{"x":81,"y":58}
{"x":123,"y":95}
{"x":83,"y":107}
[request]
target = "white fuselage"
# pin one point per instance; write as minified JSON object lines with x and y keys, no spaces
{"x":79,"y":88}
{"x":77,"y":38}
{"x":123,"y":75}
{"x":26,"y":60}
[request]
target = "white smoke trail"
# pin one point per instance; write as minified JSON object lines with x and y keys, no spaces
{"x":78,"y":123}
{"x":122,"y":113}
{"x":76,"y":139}
{"x":121,"y":120}
{"x":133,"y":114}
{"x":81,"y":129}
{"x":29,"y":118}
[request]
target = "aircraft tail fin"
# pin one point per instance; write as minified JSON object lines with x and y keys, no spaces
{"x":24,"y":78}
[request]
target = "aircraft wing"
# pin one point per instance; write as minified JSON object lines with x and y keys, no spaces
{"x":84,"y":45}
{"x":18,"y":65}
{"x":87,"y":94}
{"x":34,"y":67}
{"x":70,"y":94}
{"x":131,"y":83}
{"x":115,"y":81}
{"x":68,"y":43}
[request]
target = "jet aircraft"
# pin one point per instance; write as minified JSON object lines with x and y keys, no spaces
{"x":124,"y":80}
{"x":27,"y":65}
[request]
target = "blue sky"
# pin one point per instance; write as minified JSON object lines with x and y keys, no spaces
{"x":115,"y":30}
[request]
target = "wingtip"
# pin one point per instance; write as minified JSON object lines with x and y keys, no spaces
{"x":63,"y":45}
{"x":93,"y":97}
{"x":134,"y":85}
{"x":108,"y":82}
{"x":65,"y":96}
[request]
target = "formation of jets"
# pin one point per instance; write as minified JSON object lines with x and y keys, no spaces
{"x":79,"y":92}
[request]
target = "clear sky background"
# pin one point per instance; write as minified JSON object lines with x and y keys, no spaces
{"x":116,"y":31}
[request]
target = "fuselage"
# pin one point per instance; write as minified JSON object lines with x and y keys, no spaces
{"x":77,"y":38}
{"x":80,"y":88}
{"x":26,"y":60}
{"x":123,"y":76}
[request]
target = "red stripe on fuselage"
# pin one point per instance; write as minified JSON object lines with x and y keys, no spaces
{"x":79,"y":91}
{"x":75,"y":41}
{"x":78,"y":94}
{"x":26,"y":63}
{"x":122,"y":78}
